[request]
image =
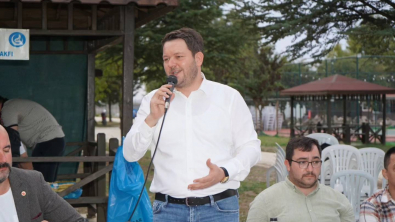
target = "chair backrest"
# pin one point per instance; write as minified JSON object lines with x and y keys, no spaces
{"x":352,"y":182}
{"x":372,"y":161}
{"x":341,"y":157}
{"x":279,"y":167}
{"x":324,"y":138}
{"x":280,"y":150}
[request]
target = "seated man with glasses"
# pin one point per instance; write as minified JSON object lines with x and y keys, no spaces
{"x":301,"y":197}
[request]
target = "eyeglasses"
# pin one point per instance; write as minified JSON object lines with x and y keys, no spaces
{"x":305,"y":164}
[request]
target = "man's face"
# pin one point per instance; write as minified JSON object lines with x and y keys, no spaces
{"x":5,"y":155}
{"x":178,"y":61}
{"x":304,"y":178}
{"x":389,"y":173}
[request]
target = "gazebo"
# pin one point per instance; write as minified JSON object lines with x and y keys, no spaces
{"x":339,"y":87}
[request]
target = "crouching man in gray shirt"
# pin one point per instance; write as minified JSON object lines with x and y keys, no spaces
{"x":301,"y":197}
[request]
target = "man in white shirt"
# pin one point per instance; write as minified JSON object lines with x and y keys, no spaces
{"x":208,"y":143}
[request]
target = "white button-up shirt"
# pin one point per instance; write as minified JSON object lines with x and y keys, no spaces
{"x":213,"y":122}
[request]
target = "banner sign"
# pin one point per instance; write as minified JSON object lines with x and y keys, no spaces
{"x":14,"y":44}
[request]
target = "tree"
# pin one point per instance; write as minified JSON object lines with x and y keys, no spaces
{"x":108,"y":87}
{"x":224,"y":37}
{"x":318,"y":26}
{"x":260,"y":83}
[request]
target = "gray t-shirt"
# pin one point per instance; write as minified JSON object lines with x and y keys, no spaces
{"x":35,"y":123}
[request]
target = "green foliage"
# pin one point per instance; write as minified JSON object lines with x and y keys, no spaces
{"x":261,"y":77}
{"x":318,"y":26}
{"x":108,"y":87}
{"x":225,"y":37}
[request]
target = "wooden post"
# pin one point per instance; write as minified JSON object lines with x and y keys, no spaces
{"x":365,"y":133}
{"x":70,"y":16}
{"x":113,"y":146}
{"x":20,"y":17}
{"x":101,"y":181}
{"x":344,"y":110}
{"x":89,"y":189}
{"x":44,"y":14}
{"x":347,"y":134}
{"x":383,"y":135}
{"x":292,"y":118}
{"x":91,"y":98}
{"x":329,"y":114}
{"x":128,"y":62}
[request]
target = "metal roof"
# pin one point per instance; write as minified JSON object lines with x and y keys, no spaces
{"x":337,"y":85}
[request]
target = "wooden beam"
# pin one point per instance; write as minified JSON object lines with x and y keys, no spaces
{"x":91,"y":98}
{"x":88,"y":33}
{"x":128,"y":68}
{"x":292,"y":117}
{"x":72,"y":176}
{"x":104,"y":44}
{"x":344,"y":110}
{"x":64,"y":159}
{"x":101,"y":180}
{"x":152,"y":14}
{"x":87,"y":200}
{"x":329,"y":114}
{"x":86,"y":180}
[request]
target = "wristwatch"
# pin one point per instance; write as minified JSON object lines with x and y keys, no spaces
{"x":226,"y":178}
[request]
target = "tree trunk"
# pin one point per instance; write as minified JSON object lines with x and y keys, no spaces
{"x":109,"y":111}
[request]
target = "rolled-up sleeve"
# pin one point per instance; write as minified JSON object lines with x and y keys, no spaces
{"x":139,"y":139}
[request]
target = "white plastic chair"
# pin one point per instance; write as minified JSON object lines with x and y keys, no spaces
{"x":341,"y":157}
{"x":352,"y":182}
{"x":324,"y":138}
{"x":279,"y":167}
{"x":372,"y":161}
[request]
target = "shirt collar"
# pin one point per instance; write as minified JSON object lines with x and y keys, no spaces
{"x":205,"y":85}
{"x":385,"y":197}
{"x":292,"y":186}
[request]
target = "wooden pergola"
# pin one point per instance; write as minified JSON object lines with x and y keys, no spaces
{"x":338,"y":87}
{"x":97,"y":25}
{"x":101,"y":24}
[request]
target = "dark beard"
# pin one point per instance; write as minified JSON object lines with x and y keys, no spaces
{"x":2,"y":179}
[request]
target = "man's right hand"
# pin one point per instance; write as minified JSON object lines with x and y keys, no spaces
{"x":157,"y":104}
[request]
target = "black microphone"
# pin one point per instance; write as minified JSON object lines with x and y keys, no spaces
{"x":172,"y":80}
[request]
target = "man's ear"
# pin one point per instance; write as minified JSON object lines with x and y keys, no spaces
{"x":199,"y":56}
{"x":384,"y":172}
{"x":287,"y":164}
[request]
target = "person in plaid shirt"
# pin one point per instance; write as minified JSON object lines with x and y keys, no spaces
{"x":381,"y":206}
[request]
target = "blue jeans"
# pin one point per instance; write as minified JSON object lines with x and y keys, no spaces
{"x":223,"y":210}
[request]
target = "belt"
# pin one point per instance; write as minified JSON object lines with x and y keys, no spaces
{"x":195,"y":201}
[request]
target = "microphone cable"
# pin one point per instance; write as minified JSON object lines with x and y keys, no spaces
{"x":173,"y":81}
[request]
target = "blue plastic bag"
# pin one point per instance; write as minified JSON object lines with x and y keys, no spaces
{"x":127,"y":179}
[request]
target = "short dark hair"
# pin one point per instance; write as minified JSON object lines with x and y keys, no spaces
{"x":387,"y":157}
{"x":303,"y":143}
{"x":2,"y":100}
{"x":191,"y":37}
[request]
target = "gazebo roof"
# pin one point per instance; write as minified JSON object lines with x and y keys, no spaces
{"x":337,"y":85}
